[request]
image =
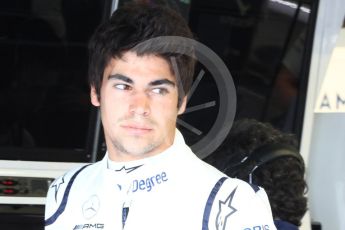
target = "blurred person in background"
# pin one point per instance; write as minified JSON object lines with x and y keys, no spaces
{"x":266,"y":157}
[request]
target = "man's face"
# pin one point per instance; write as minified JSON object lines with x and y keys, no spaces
{"x":138,"y":101}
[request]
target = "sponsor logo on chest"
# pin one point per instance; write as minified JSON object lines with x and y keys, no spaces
{"x":149,"y":183}
{"x":89,"y":226}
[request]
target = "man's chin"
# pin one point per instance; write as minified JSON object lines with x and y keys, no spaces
{"x":139,"y":150}
{"x":137,"y":147}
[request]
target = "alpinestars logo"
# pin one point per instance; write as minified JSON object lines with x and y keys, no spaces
{"x":57,"y":185}
{"x":128,"y":170}
{"x":225,"y":210}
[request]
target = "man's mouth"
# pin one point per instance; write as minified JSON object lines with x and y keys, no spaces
{"x":136,"y":129}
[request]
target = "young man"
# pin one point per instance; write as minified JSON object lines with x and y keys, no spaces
{"x":149,"y":178}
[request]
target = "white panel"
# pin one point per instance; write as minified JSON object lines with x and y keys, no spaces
{"x":326,"y":176}
{"x":35,"y":168}
{"x":323,"y":137}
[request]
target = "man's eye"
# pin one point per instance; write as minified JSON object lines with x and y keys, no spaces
{"x":122,"y":86}
{"x":161,"y":91}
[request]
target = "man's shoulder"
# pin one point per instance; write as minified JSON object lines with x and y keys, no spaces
{"x":237,"y":204}
{"x":60,"y":189}
{"x":72,"y":174}
{"x":62,"y":185}
{"x":221,"y":183}
{"x":242,"y":189}
{"x":64,"y":181}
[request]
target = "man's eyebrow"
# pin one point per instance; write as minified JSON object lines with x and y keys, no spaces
{"x":162,"y":82}
{"x":121,"y":77}
{"x":130,"y":81}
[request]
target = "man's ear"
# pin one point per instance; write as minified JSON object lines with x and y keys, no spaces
{"x":94,"y":97}
{"x":183,"y":105}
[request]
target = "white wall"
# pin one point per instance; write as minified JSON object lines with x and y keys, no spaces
{"x":323,"y":137}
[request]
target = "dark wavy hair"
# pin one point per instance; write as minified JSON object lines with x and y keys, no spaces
{"x":282,"y":178}
{"x":132,"y":25}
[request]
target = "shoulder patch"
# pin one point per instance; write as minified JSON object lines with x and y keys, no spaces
{"x":210,"y":201}
{"x":63,"y":203}
{"x":225,"y":210}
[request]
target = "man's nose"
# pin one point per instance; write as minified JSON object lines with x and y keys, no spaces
{"x":140,"y":104}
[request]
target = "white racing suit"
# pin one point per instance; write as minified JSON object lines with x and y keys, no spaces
{"x":173,"y":190}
